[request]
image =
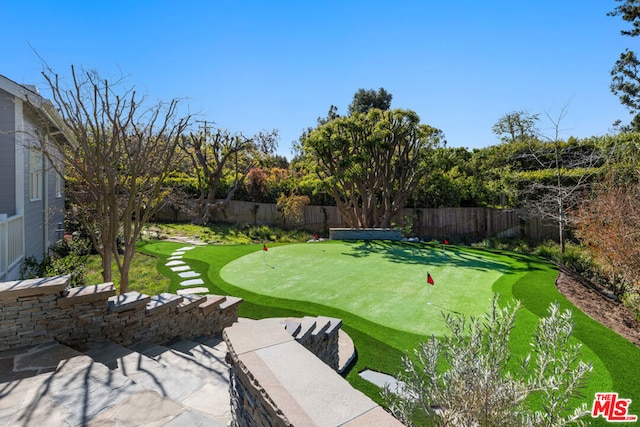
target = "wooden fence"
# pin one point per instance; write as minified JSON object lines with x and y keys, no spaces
{"x":470,"y":224}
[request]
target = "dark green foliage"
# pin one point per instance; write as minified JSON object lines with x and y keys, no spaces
{"x":365,"y":100}
{"x":625,"y":82}
{"x":630,"y":12}
{"x":66,"y":257}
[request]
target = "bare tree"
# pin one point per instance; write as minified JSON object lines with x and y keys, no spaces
{"x":121,"y":153}
{"x":570,"y":168}
{"x":219,"y":153}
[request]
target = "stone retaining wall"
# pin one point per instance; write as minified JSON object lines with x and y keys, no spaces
{"x":276,"y":381}
{"x":40,"y":310}
{"x":365,"y":234}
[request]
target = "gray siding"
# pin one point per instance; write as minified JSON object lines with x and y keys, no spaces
{"x":7,"y":154}
{"x":34,"y":211}
{"x":56,"y":208}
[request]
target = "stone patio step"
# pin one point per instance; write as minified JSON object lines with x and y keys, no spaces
{"x":74,"y":394}
{"x":209,"y":351}
{"x":181,"y":360}
{"x":145,"y":371}
{"x":202,"y":361}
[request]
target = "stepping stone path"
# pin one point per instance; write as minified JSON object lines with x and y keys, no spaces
{"x":179,"y":266}
{"x":382,"y":380}
{"x":188,"y":274}
{"x":192,"y":282}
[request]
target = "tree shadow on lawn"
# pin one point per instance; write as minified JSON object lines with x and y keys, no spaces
{"x":429,"y":254}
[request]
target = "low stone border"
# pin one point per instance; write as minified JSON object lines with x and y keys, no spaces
{"x":394,"y":234}
{"x":276,"y":381}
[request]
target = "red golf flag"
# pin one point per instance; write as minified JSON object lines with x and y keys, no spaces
{"x":446,"y":242}
{"x":430,"y":279}
{"x":315,"y":236}
{"x":264,"y":248}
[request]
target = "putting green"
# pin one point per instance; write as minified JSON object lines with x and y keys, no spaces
{"x":387,"y":285}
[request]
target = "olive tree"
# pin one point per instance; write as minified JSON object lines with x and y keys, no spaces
{"x":468,"y":378}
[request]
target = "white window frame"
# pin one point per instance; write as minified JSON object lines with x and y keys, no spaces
{"x":36,"y":185}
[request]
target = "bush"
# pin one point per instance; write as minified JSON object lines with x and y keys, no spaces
{"x":292,"y":208}
{"x":65,"y":258}
{"x":466,"y":378}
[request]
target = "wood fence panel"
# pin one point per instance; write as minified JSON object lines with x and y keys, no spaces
{"x":469,"y":224}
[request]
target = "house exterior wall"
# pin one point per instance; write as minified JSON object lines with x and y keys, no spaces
{"x":35,"y":211}
{"x":55,"y":209}
{"x":7,"y":154}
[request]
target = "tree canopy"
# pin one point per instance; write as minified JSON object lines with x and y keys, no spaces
{"x":625,"y":82}
{"x":369,"y":162}
{"x":365,"y":100}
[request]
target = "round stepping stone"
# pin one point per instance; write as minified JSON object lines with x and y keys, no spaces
{"x":192,"y":282}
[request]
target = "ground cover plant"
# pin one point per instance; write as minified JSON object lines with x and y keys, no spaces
{"x":384,"y":298}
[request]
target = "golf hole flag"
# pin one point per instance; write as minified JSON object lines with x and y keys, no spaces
{"x":430,"y":279}
{"x":264,"y":248}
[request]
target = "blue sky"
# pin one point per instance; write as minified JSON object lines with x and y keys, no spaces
{"x":252,"y":65}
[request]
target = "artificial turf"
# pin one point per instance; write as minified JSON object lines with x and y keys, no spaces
{"x":379,"y":290}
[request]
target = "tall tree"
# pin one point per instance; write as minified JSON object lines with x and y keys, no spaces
{"x":217,"y":152}
{"x":369,"y":162}
{"x":365,"y":100}
{"x":122,"y":151}
{"x":625,"y":74}
{"x":516,"y":126}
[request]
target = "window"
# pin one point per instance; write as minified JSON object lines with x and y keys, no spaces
{"x":35,"y":174}
{"x":59,"y":183}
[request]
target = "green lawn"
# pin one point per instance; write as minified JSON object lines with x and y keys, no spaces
{"x":382,"y":283}
{"x":380,"y":293}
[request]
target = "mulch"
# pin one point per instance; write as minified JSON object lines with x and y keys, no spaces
{"x":599,"y":304}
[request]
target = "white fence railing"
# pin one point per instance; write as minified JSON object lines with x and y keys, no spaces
{"x":11,"y":242}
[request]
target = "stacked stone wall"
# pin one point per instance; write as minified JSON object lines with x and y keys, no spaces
{"x":41,"y":310}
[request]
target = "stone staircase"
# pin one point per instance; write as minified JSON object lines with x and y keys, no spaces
{"x":183,"y":383}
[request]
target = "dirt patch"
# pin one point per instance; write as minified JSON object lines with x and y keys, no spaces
{"x":591,"y":301}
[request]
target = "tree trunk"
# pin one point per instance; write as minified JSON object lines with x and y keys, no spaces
{"x":107,"y":276}
{"x":127,"y":257}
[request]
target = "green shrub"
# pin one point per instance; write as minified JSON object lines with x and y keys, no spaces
{"x":466,"y":379}
{"x":65,"y":258}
